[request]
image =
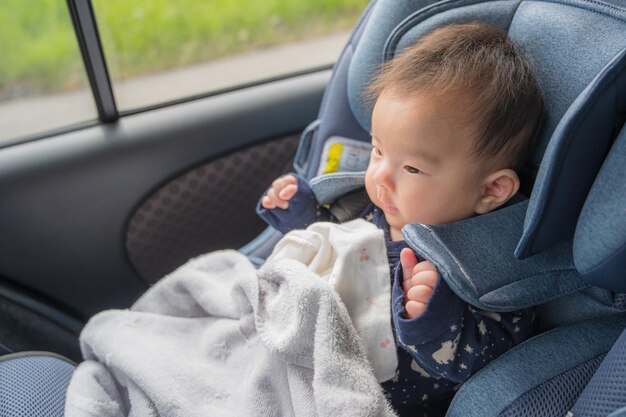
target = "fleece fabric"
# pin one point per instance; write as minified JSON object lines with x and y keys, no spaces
{"x":219,"y":338}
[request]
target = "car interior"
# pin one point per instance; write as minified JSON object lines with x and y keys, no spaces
{"x":91,"y":218}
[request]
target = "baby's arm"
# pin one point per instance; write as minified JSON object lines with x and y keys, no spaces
{"x":446,"y":336}
{"x":290,"y":204}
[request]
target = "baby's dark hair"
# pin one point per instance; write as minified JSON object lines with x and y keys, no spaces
{"x":496,"y":81}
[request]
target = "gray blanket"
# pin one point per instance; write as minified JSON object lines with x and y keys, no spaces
{"x":219,"y":338}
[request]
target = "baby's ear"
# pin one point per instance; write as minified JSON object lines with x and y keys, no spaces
{"x":499,"y":187}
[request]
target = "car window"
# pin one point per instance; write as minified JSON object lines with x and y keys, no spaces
{"x":43,"y":84}
{"x":153,"y":52}
{"x":160,"y":50}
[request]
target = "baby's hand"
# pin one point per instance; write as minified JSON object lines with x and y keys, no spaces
{"x":279,"y":194}
{"x":418,"y":282}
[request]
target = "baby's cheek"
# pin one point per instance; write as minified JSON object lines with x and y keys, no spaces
{"x":413,"y":214}
{"x":370,"y":188}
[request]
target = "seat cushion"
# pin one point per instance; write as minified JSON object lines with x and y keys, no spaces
{"x":514,"y":380}
{"x":33,"y":384}
{"x":606,"y":392}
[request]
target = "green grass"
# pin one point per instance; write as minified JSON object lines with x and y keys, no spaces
{"x":40,"y":53}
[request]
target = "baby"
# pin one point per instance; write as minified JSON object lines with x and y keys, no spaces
{"x":454,"y":118}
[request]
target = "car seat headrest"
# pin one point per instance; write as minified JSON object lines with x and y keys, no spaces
{"x":388,"y":31}
{"x":548,"y":31}
{"x":600,"y":238}
{"x":571,"y":69}
{"x":572,"y":160}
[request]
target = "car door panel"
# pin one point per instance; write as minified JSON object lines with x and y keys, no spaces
{"x":66,"y":201}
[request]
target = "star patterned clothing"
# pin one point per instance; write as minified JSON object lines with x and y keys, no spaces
{"x":438,"y":350}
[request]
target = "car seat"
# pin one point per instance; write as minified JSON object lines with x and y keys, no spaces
{"x":576,"y":46}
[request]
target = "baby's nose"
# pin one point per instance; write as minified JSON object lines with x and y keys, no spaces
{"x":384,"y":179}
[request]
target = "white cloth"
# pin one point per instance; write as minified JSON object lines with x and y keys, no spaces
{"x":219,"y":338}
{"x":352,"y":258}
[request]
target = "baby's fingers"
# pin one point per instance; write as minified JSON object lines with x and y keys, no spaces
{"x":281,"y":182}
{"x":289,"y":180}
{"x":420,"y":293}
{"x":428,"y":278}
{"x":267,"y":203}
{"x":288,"y":192}
{"x":424,"y":266}
{"x":275,"y":200}
{"x":414,"y":309}
{"x":408,"y":262}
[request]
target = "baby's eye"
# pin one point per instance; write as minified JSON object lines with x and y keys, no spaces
{"x":377,"y":151}
{"x":411,"y":170}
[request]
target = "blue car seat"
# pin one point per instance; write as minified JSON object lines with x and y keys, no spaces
{"x":568,"y":231}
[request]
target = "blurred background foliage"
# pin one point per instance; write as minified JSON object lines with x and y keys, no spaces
{"x":40,"y":54}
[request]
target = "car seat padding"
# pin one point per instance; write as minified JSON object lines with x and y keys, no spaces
{"x":573,"y":158}
{"x":600,"y":238}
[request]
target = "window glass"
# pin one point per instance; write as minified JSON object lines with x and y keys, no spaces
{"x":43,"y":84}
{"x":162,"y":50}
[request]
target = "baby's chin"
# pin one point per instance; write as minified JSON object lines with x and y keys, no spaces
{"x":394,"y":222}
{"x":397,"y":221}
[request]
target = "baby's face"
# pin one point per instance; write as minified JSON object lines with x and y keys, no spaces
{"x":420,"y":169}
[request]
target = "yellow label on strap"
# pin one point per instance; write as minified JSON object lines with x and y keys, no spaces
{"x":334,"y":158}
{"x":341,"y":154}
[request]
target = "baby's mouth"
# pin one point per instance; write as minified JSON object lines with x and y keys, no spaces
{"x":385,"y":206}
{"x":389,"y":209}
